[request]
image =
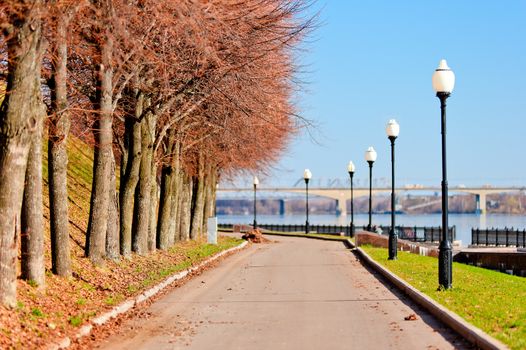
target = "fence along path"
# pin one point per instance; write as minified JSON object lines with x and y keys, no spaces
{"x":507,"y":237}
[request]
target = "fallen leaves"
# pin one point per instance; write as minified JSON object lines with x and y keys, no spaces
{"x":411,"y":317}
{"x":44,"y":316}
{"x":255,"y":236}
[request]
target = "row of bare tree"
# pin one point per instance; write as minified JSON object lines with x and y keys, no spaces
{"x":176,"y":94}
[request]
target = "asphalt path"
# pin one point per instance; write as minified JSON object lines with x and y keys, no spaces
{"x":292,"y":293}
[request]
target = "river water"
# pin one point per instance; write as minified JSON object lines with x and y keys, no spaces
{"x":463,"y":222}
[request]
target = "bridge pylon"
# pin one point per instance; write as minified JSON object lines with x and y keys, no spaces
{"x":282,"y":210}
{"x":480,"y":199}
{"x":341,"y":207}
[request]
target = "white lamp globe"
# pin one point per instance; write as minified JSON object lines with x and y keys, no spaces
{"x":307,"y":174}
{"x":351,"y":167}
{"x":256,"y":181}
{"x":443,"y":78}
{"x":370,"y":154}
{"x":392,"y":129}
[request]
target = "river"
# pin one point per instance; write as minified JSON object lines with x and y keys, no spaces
{"x":463,"y":222}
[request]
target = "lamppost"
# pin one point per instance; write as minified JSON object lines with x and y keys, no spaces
{"x":307,"y":176}
{"x":256,"y":183}
{"x":443,"y":83}
{"x":370,"y":157}
{"x":350,"y":169}
{"x":392,"y":129}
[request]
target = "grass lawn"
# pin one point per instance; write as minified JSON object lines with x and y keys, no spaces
{"x":493,"y":301}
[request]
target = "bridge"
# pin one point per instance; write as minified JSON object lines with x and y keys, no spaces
{"x":341,"y":195}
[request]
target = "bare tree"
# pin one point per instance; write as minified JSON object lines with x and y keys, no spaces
{"x":20,"y":115}
{"x":60,"y":16}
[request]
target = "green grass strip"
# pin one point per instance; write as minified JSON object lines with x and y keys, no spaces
{"x":492,"y":301}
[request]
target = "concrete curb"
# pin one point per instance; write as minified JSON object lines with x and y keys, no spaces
{"x":473,"y":334}
{"x":130,"y":303}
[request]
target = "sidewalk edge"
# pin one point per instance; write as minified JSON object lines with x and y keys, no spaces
{"x":473,"y":334}
{"x":85,"y":330}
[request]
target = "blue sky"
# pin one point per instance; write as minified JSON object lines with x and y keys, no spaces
{"x":370,"y":61}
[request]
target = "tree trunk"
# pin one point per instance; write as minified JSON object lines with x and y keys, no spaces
{"x":178,"y":214}
{"x":167,"y":215}
{"x":213,"y":208}
{"x":58,"y":132}
{"x":212,"y":194}
{"x":19,"y":115}
{"x":129,"y":179}
{"x":154,"y":211}
{"x":180,"y":188}
{"x":99,"y":206}
{"x":198,"y":202}
{"x":112,"y":232}
{"x":209,"y":182}
{"x":177,"y":186}
{"x":186,"y":208}
{"x":173,"y":229}
{"x":164,"y":240}
{"x":32,"y":219}
{"x":154,"y":188}
{"x":143,"y":192}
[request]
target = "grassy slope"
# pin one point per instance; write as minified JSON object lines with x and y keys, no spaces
{"x":65,"y":304}
{"x":490,"y":300}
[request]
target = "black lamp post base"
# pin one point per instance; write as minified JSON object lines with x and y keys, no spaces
{"x":393,"y":245}
{"x":255,"y":225}
{"x":353,"y":230}
{"x":445,"y":258}
{"x":307,"y":228}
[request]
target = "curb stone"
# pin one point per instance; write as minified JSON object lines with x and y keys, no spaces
{"x":130,"y":303}
{"x":473,"y":334}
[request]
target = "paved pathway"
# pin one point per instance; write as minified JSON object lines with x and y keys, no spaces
{"x":292,"y":294}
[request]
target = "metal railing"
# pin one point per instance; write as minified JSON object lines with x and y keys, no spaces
{"x":495,"y":237}
{"x":430,"y":234}
{"x":320,"y":229}
{"x":412,"y":233}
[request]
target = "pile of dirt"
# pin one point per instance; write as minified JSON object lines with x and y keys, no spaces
{"x":255,"y":236}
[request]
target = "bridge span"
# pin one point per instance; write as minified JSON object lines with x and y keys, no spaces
{"x":341,"y":195}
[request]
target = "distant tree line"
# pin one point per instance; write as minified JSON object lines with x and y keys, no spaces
{"x":175,"y":94}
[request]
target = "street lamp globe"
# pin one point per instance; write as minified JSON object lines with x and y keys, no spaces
{"x":443,"y":78}
{"x":351,"y":168}
{"x":370,"y":155}
{"x":256,"y":181}
{"x":392,"y":129}
{"x":307,"y":175}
